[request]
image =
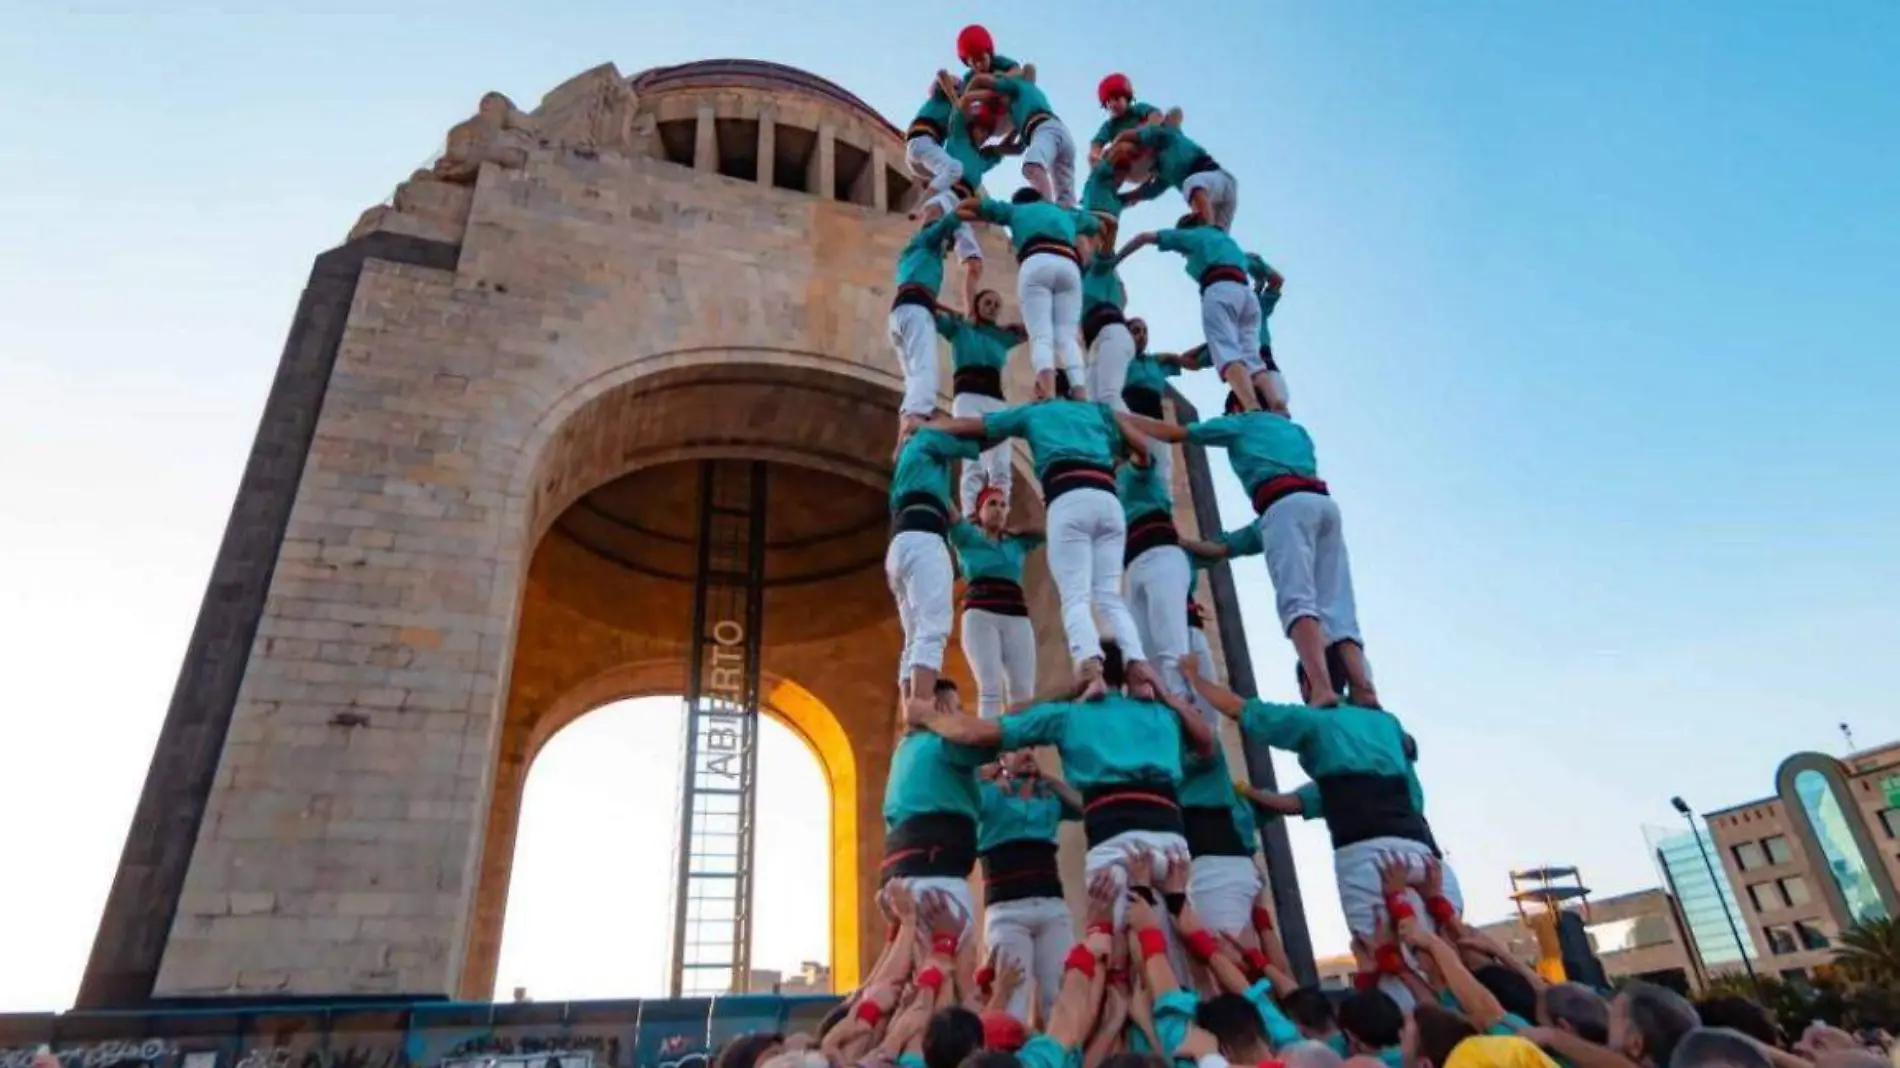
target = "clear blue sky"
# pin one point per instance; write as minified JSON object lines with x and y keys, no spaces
{"x":1591,"y":309}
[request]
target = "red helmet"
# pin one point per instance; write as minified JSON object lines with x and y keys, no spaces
{"x":1113,"y":86}
{"x":974,"y":41}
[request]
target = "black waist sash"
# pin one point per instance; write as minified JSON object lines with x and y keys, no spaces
{"x":1202,"y":164}
{"x":977,"y":381}
{"x":1054,"y":246}
{"x":935,"y":843}
{"x":1211,"y":833}
{"x":925,"y":127}
{"x":1033,"y":121}
{"x":1266,"y":493}
{"x":1361,"y":805}
{"x":997,"y":596}
{"x":912,"y":293}
{"x":1065,"y":475}
{"x":1098,"y":316}
{"x":1222,"y":272}
{"x":919,"y":511}
{"x":1129,"y":806}
{"x":1143,"y":401}
{"x":1022,"y":869}
{"x":1149,"y":530}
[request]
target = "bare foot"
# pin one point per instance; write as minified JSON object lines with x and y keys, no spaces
{"x":1088,"y":677}
{"x":919,"y":711}
{"x":1045,"y":384}
{"x":1322,"y":696}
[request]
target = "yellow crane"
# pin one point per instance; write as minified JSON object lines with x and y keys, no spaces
{"x":1543,"y":895}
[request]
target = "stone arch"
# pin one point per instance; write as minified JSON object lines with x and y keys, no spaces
{"x":815,"y":417}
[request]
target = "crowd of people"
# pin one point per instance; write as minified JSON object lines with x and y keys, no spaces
{"x":1177,"y":957}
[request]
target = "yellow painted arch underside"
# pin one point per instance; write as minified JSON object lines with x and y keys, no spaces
{"x":813,"y":721}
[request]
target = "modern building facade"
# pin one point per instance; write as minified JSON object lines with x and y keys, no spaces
{"x":1693,"y":876}
{"x":1817,"y":857}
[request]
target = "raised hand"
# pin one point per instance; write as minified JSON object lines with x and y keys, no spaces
{"x":903,"y":905}
{"x":1102,"y":892}
{"x":1180,"y":868}
{"x":1395,"y":874}
{"x":1140,"y":864}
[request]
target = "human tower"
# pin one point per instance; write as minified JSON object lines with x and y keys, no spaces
{"x":1136,"y":727}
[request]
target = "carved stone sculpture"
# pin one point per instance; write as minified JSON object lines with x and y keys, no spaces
{"x":498,"y":133}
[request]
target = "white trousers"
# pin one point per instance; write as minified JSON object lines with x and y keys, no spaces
{"x":1109,"y":357}
{"x":990,"y":469}
{"x":1223,"y":194}
{"x":1037,"y":933}
{"x":1306,"y":558}
{"x":918,"y":567}
{"x":925,"y":157}
{"x":1087,"y":533}
{"x":1222,"y":891}
{"x":965,"y":241}
{"x":1001,"y":652}
{"x":1204,"y":658}
{"x":1052,"y":149}
{"x":1049,"y":289}
{"x":956,"y":888}
{"x":1158,"y":584}
{"x":914,"y":337}
{"x":1230,"y":320}
{"x":1110,"y":855}
{"x":1356,"y":871}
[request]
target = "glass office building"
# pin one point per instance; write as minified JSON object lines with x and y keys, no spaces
{"x":1708,"y":904}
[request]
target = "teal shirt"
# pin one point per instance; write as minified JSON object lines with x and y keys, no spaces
{"x":1206,"y":784}
{"x":1102,"y":191}
{"x":1242,"y":541}
{"x":974,"y":344}
{"x":958,"y":143}
{"x":1059,"y":429}
{"x":1205,"y":247}
{"x":937,"y":110}
{"x":1175,"y":153}
{"x":1115,"y":125}
{"x":930,"y":775}
{"x":927,"y":465}
{"x":1007,"y":816}
{"x":1026,"y":100}
{"x":1115,"y":740}
{"x":1102,"y":284}
{"x":1174,"y":1014}
{"x":1038,"y":220}
{"x":1332,"y":741}
{"x":1143,"y":490}
{"x":1041,"y":1051}
{"x":1146,"y":372}
{"x":980,"y":556}
{"x":921,"y":261}
{"x":1260,"y":445}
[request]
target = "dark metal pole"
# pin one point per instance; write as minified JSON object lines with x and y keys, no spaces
{"x":1275,"y":846}
{"x":1715,"y":883}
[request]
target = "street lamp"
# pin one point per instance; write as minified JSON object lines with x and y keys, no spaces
{"x":1715,"y":883}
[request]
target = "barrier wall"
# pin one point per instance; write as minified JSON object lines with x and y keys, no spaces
{"x":573,"y":1034}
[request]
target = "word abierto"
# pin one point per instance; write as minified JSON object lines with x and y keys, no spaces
{"x":723,"y":735}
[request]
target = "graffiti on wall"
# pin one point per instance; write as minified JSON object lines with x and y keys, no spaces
{"x":155,"y":1052}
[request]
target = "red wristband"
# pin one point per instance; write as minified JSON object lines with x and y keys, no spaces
{"x":1365,"y":981}
{"x":1262,"y":918}
{"x":1401,"y":909}
{"x":1081,"y":959}
{"x":1391,"y":961}
{"x":1201,"y":944}
{"x":931,"y":978}
{"x":944,"y":944}
{"x":1256,"y":962}
{"x":1153,"y":943}
{"x":1102,"y":928}
{"x":1118,"y":976}
{"x":985,"y":976}
{"x":1441,"y":910}
{"x":869,"y":1012}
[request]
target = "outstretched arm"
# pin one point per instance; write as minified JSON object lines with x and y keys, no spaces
{"x":1225,"y":701}
{"x":1281,"y":804}
{"x":966,"y":426}
{"x":1137,"y":243}
{"x":1136,"y":445}
{"x":1153,"y":428}
{"x":973,"y":731}
{"x":1194,"y":729}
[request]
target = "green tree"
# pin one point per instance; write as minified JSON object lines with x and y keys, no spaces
{"x":1870,"y":952}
